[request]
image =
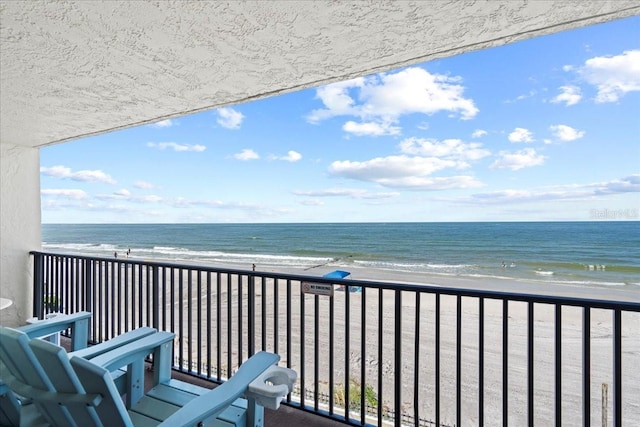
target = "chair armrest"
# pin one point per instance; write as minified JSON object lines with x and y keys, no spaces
{"x":212,"y":403}
{"x":113,"y":343}
{"x":160,"y":344}
{"x":272,"y":386}
{"x":78,"y":322}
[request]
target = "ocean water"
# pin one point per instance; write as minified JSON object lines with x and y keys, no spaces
{"x":605,"y":253}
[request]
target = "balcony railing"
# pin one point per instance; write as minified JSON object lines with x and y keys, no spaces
{"x":384,"y":354}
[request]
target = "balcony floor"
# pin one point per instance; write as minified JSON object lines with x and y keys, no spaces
{"x":283,"y":417}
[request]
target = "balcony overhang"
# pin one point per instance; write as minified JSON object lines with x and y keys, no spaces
{"x":73,"y":69}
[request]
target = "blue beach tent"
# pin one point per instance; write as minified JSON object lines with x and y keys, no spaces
{"x":337,"y":274}
{"x":341,"y":274}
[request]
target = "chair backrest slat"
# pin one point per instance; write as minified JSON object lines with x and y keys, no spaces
{"x":25,"y":367}
{"x":97,"y":380}
{"x":55,"y":361}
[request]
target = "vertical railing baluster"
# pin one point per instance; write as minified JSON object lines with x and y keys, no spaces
{"x":208,"y":325}
{"x":199,"y":323}
{"x":251,"y":315}
{"x":481,"y":362}
{"x":558,"y":364}
{"x":110,"y":303}
{"x":155,"y":297}
{"x":165,"y":283}
{"x":189,"y":319}
{"x":89,"y":294}
{"x":316,"y":350}
{"x":331,"y":354}
{"x":530,"y":363}
{"x":119,"y":298}
{"x":458,"y":360}
{"x":218,"y":325}
{"x":380,"y":352}
{"x":276,"y":311}
{"x":229,"y":323}
{"x":617,"y":367}
{"x":303,"y":363}
{"x":181,"y":318}
{"x":505,"y":362}
{"x":586,"y":367}
{"x":101,"y":296}
{"x":149,"y":294}
{"x":363,"y":355}
{"x":172,"y":271}
{"x":416,"y":362}
{"x":263,"y":311}
{"x":347,"y":351}
{"x":240,"y":320}
{"x":288,"y":343}
{"x":397,"y":392}
{"x":437,"y":358}
{"x":127,"y":290}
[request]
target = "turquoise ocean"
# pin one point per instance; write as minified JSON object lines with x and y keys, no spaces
{"x":600,"y":253}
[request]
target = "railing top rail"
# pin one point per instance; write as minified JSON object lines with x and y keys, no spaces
{"x":422,"y":288}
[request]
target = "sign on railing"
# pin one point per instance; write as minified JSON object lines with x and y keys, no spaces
{"x":317,"y":288}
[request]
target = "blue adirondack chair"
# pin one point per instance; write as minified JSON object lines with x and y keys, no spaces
{"x":14,"y":410}
{"x":79,"y":391}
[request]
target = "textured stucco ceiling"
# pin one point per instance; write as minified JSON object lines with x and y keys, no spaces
{"x":72,"y":69}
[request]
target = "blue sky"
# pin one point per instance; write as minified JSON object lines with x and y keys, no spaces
{"x":545,"y":129}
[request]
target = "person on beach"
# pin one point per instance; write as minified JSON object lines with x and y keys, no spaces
{"x":115,"y":254}
{"x":253,"y":266}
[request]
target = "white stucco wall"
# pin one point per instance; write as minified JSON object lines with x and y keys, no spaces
{"x":19,"y":228}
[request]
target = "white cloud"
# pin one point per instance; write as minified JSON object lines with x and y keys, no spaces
{"x":370,"y":128}
{"x":66,"y":193}
{"x":518,"y":160}
{"x":292,"y":156}
{"x":454,"y":149}
{"x":403,"y":172}
{"x":566,"y":133}
{"x":613,"y":76}
{"x":345,"y":192}
{"x":311,"y":202}
{"x":123,"y":193}
{"x":176,"y":147}
{"x":479,"y":133}
{"x":229,"y":118}
{"x":247,"y":154}
{"x":570,"y":95}
{"x":559,"y":192}
{"x":143,"y":185}
{"x":521,"y":135}
{"x":337,"y":101}
{"x":149,"y":199}
{"x":383,"y":98}
{"x":164,"y":123}
{"x":83,"y":175}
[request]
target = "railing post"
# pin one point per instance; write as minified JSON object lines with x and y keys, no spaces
{"x":617,"y":367}
{"x":251,"y":316}
{"x":155,"y":304}
{"x":88,"y":285}
{"x":38,"y":292}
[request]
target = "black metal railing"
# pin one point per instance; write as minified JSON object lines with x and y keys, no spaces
{"x":373,"y":353}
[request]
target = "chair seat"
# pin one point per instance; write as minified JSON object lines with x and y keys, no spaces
{"x":163,"y":400}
